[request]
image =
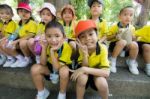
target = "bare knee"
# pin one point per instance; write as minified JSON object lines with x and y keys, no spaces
{"x":64,"y":72}
{"x":121,"y":43}
{"x":101,"y":84}
{"x":35,"y":69}
{"x":146,"y":48}
{"x":133,"y":45}
{"x":30,"y":42}
{"x":23,"y":44}
{"x":82,"y":80}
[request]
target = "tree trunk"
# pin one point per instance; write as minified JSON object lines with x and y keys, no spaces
{"x":144,"y":14}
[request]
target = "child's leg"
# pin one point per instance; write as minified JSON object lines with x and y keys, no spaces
{"x":37,"y":72}
{"x":118,"y":48}
{"x":146,"y":55}
{"x":131,"y":62}
{"x":30,"y":45}
{"x":80,"y":86}
{"x":116,"y":51}
{"x":64,"y":79}
{"x":102,"y":86}
{"x":24,"y":47}
{"x":133,"y":50}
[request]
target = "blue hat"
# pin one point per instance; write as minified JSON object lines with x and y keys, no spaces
{"x":90,"y":2}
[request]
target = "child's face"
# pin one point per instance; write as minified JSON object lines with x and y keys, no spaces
{"x":126,"y":16}
{"x":46,"y":15}
{"x":67,"y":15}
{"x":6,"y":15}
{"x":54,"y":37}
{"x":96,"y":9}
{"x":24,"y":14}
{"x":89,"y":38}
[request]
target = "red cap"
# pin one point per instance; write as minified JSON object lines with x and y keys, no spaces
{"x":25,"y":6}
{"x":83,"y":26}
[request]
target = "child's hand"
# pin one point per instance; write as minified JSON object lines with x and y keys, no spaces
{"x":118,"y":36}
{"x":55,"y":48}
{"x":43,"y":41}
{"x":82,"y":47}
{"x":77,"y":73}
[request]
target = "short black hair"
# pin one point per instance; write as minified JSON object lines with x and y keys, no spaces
{"x":124,"y":9}
{"x":7,"y":7}
{"x":55,"y":24}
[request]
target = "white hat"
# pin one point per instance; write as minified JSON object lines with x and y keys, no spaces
{"x":50,"y":7}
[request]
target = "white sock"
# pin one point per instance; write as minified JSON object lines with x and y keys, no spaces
{"x":113,"y":59}
{"x":41,"y":92}
{"x":20,"y":57}
{"x":132,"y":61}
{"x":148,"y":65}
{"x":61,"y":95}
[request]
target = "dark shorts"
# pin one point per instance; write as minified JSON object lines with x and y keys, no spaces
{"x":47,"y":77}
{"x":140,"y":44}
{"x":91,"y":82}
{"x":112,"y":46}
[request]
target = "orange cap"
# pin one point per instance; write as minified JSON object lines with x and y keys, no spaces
{"x":83,"y":26}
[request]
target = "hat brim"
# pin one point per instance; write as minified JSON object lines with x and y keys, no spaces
{"x":24,"y":8}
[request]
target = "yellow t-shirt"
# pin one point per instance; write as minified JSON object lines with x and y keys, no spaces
{"x":102,"y":28}
{"x":9,"y":28}
{"x":40,"y":28}
{"x":28,"y":28}
{"x":69,"y":30}
{"x":98,"y":59}
{"x":115,"y":29}
{"x":143,"y":34}
{"x":63,"y":54}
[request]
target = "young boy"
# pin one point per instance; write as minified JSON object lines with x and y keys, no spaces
{"x":120,"y":37}
{"x":143,"y":38}
{"x":93,"y":59}
{"x":96,"y":10}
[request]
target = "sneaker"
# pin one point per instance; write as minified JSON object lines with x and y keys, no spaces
{"x":54,"y":77}
{"x":132,"y":67}
{"x":18,"y":61}
{"x":43,"y":96}
{"x":2,"y":59}
{"x":113,"y":68}
{"x":9,"y":62}
{"x":24,"y":63}
{"x":147,"y":70}
{"x":61,"y":95}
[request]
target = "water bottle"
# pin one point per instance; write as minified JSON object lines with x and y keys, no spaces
{"x":11,"y":38}
{"x":37,"y":48}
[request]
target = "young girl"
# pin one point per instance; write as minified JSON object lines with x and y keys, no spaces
{"x":94,"y":61}
{"x":120,"y":36}
{"x":55,"y":56}
{"x":27,"y":29}
{"x":47,"y":14}
{"x":8,"y":27}
{"x":143,"y":38}
{"x":96,"y":7}
{"x":69,"y":23}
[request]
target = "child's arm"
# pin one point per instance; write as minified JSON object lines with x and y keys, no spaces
{"x":55,"y":62}
{"x":84,"y":50}
{"x":43,"y":57}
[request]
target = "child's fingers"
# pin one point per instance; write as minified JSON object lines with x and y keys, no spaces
{"x":71,"y":70}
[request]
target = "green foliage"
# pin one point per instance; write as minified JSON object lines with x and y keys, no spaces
{"x":82,"y":10}
{"x":111,"y":8}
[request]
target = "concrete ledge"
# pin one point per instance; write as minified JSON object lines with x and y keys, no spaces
{"x":121,"y":83}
